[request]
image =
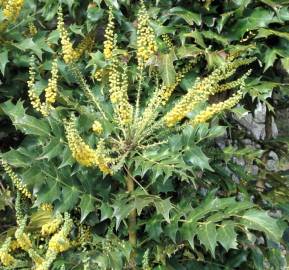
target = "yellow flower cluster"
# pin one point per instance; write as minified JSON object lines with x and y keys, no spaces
{"x":167,"y":91}
{"x":146,"y":41}
{"x":109,"y":37}
{"x":50,"y":92}
{"x":60,"y":242}
{"x":47,"y":207}
{"x":161,"y":97}
{"x":214,"y":109}
{"x":52,"y":226}
{"x":5,"y":258}
{"x":16,"y":180}
{"x":118,"y":83}
{"x":68,"y":52}
{"x":167,"y":41}
{"x":34,"y":99}
{"x":12,"y":9}
{"x":202,"y":90}
{"x":85,"y":45}
{"x":97,"y":127}
{"x":98,"y":75}
{"x":23,"y":240}
{"x":83,"y":153}
{"x":3,"y":3}
{"x":103,"y":161}
{"x":14,"y":245}
{"x":32,"y":29}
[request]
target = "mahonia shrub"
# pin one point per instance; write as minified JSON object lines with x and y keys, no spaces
{"x":118,"y":168}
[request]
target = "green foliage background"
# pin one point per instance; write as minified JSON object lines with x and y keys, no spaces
{"x":191,"y":215}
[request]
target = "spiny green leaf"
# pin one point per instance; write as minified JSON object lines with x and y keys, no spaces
{"x":106,"y":211}
{"x":188,"y":16}
{"x":259,"y":220}
{"x":207,"y":235}
{"x":69,"y":199}
{"x":164,"y":207}
{"x":52,"y":149}
{"x":197,"y":158}
{"x":226,"y":235}
{"x":166,"y":68}
{"x":3,"y":61}
{"x":26,"y":123}
{"x":87,"y":205}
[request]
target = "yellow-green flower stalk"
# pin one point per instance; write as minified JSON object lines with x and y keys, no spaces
{"x":109,"y":36}
{"x":214,"y":109}
{"x":5,"y":257}
{"x":202,"y":90}
{"x":50,"y":92}
{"x":83,"y":153}
{"x":34,"y":98}
{"x":146,"y":40}
{"x":68,"y":52}
{"x":52,"y":226}
{"x":118,"y":82}
{"x":17,"y":182}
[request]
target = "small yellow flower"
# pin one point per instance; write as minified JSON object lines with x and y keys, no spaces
{"x":12,"y":9}
{"x":97,"y":127}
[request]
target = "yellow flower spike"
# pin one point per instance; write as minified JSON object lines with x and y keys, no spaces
{"x":109,"y":35}
{"x":34,"y":98}
{"x":13,"y":246}
{"x":5,"y":258}
{"x":118,"y":82}
{"x":51,"y":90}
{"x":23,"y":240}
{"x":202,"y":90}
{"x":51,"y":226}
{"x":97,"y":127}
{"x":17,"y":182}
{"x":214,"y":109}
{"x":80,"y":151}
{"x":12,"y":9}
{"x":68,"y":52}
{"x":59,"y":242}
{"x":146,"y":40}
{"x":83,"y":153}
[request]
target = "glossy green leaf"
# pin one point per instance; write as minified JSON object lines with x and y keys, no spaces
{"x":226,"y":235}
{"x":207,"y":235}
{"x":259,"y":220}
{"x":87,"y":205}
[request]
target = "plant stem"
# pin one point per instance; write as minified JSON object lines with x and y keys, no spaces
{"x":131,"y":221}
